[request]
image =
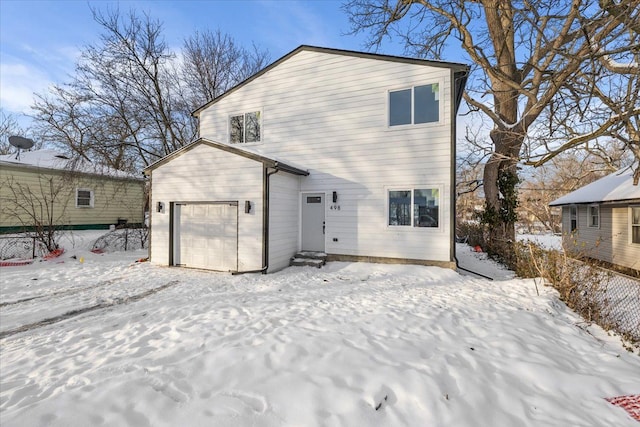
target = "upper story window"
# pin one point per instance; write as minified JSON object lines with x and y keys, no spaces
{"x":418,"y":207}
{"x":416,"y":105}
{"x":635,"y":224}
{"x":594,"y":216}
{"x":84,"y":198}
{"x":245,"y":127}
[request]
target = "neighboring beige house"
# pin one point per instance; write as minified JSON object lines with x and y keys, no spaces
{"x":602,"y":220}
{"x":45,"y":187}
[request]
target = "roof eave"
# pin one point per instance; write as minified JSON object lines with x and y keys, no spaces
{"x":599,"y":202}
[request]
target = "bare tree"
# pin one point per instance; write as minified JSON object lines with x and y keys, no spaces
{"x":40,"y":207}
{"x":599,"y":109}
{"x":563,"y":174}
{"x":120,"y":107}
{"x":213,"y":63}
{"x":9,"y":126}
{"x":523,"y":55}
{"x":131,"y":97}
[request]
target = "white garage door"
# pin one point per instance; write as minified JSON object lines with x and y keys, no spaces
{"x":208,"y":236}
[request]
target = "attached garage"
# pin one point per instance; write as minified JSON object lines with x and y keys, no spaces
{"x":223,"y":208}
{"x":205,"y":235}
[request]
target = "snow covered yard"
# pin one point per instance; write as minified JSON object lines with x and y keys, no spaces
{"x":348,"y":344}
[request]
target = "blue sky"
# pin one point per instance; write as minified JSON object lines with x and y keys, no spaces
{"x":40,"y":40}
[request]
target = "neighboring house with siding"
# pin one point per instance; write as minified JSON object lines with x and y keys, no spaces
{"x":43,"y":188}
{"x":602,"y":220}
{"x":345,"y":153}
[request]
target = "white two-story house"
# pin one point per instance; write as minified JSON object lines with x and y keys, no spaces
{"x":347,"y":153}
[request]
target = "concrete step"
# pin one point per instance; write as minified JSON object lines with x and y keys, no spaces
{"x":307,"y":258}
{"x":311,"y":255}
{"x":303,"y":262}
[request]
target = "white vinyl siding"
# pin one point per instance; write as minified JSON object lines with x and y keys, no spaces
{"x":284,"y":214}
{"x":328,"y":113}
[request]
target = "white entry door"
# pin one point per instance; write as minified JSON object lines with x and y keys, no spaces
{"x":313,"y":222}
{"x":207,"y":236}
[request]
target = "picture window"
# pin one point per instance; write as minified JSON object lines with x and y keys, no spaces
{"x":416,"y":105}
{"x":244,"y":128}
{"x":419,"y":207}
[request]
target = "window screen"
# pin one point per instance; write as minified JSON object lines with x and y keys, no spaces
{"x":83,"y":198}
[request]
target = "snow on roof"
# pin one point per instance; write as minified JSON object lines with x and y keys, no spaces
{"x":51,"y":159}
{"x":615,"y":187}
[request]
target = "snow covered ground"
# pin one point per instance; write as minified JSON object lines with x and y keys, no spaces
{"x":349,"y":344}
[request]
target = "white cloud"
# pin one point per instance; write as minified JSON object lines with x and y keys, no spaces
{"x":17,"y":85}
{"x":33,"y":72}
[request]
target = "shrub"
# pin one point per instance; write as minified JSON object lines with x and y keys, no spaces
{"x":584,"y":287}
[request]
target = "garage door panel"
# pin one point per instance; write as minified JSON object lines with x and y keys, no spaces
{"x":208,"y":236}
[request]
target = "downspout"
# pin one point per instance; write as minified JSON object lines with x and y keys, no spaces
{"x":150,"y":214}
{"x":454,"y":195}
{"x":265,"y":223}
{"x":459,"y":81}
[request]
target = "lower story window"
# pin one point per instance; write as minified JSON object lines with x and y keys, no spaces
{"x":635,"y":224}
{"x":594,"y":216}
{"x":418,"y":207}
{"x":573,"y":214}
{"x":84,"y":198}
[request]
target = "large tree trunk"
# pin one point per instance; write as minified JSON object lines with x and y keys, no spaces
{"x":500,"y":179}
{"x":500,"y":171}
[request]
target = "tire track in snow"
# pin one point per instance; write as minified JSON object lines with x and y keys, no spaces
{"x":73,"y":291}
{"x":73,"y":313}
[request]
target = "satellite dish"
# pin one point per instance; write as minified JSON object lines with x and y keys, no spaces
{"x":21,"y":142}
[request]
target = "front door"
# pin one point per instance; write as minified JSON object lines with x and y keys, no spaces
{"x":313,"y":225}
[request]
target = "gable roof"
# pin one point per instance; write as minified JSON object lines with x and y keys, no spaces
{"x":615,"y":187}
{"x":243,"y":152}
{"x":461,"y":70}
{"x":54,"y":161}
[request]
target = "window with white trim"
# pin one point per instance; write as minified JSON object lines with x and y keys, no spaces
{"x":594,"y":216}
{"x":416,"y":207}
{"x":415,"y":105}
{"x":84,"y":198}
{"x":635,"y":224}
{"x":245,"y":127}
{"x":573,"y":215}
